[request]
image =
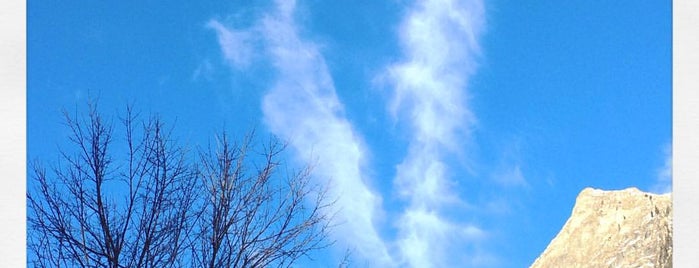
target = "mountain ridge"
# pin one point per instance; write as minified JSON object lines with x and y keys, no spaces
{"x":618,"y":228}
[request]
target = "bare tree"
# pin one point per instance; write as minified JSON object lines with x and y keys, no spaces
{"x":141,"y":201}
{"x":257,"y":218}
{"x":97,"y":211}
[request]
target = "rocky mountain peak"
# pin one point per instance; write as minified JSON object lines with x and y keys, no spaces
{"x":624,"y":228}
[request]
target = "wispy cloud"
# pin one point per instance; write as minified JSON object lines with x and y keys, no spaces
{"x":508,"y":173}
{"x":204,"y":69}
{"x":302,"y":107}
{"x":235,"y":44}
{"x":440,"y":45}
{"x":664,"y":180}
{"x":439,"y":42}
{"x":510,"y":177}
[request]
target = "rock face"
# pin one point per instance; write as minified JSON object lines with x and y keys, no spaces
{"x":626,"y":228}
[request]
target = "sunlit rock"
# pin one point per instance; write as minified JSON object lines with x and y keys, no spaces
{"x":626,"y":228}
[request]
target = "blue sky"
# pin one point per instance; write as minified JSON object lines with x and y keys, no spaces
{"x":454,"y":133}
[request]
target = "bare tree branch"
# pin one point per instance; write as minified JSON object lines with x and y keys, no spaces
{"x":137,"y":199}
{"x":74,"y":216}
{"x":257,"y":218}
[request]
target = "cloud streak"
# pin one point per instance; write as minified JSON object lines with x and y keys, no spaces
{"x":439,"y":41}
{"x":439,"y":46}
{"x":511,"y":177}
{"x":664,"y":181}
{"x":235,"y":45}
{"x":303,"y":108}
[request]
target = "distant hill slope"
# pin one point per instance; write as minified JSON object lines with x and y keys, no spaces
{"x":626,"y":228}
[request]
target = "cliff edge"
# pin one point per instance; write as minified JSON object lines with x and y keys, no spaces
{"x":626,"y":228}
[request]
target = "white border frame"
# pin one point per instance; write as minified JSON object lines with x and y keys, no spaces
{"x":13,"y":140}
{"x":13,"y":154}
{"x":685,"y":149}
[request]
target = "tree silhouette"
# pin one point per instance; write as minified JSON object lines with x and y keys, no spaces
{"x":142,"y":201}
{"x":250,"y":219}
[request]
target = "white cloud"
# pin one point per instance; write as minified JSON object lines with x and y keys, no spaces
{"x":664,"y":179}
{"x":235,"y":45}
{"x":302,"y":107}
{"x":510,"y":177}
{"x":439,"y":41}
{"x":204,"y":69}
{"x":432,"y":241}
{"x":499,"y":206}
